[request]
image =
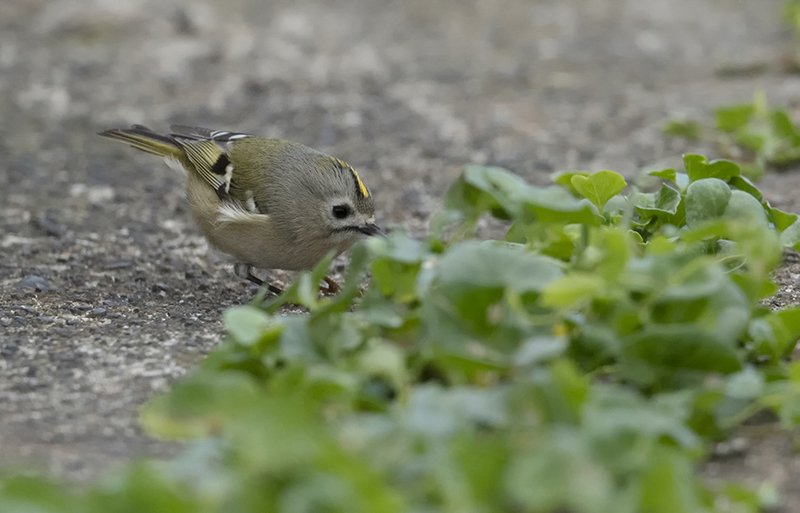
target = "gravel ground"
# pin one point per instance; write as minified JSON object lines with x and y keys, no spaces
{"x":106,"y":290}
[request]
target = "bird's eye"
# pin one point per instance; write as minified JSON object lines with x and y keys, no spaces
{"x":341,"y":211}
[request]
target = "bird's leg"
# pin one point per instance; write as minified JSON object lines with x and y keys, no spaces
{"x":245,"y":271}
{"x":331,"y":287}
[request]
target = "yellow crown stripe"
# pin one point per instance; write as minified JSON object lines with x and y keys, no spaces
{"x":361,"y":187}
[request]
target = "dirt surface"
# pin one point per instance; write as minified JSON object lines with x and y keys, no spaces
{"x":106,"y":292}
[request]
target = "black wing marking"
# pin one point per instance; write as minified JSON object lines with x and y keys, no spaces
{"x":210,"y":161}
{"x":208,"y":151}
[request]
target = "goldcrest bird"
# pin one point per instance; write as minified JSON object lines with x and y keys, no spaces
{"x":269,"y":203}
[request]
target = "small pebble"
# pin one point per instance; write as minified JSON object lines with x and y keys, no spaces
{"x":161,"y":287}
{"x":50,"y":227}
{"x":36,"y":283}
{"x":63,"y":357}
{"x":120,"y":264}
{"x":9,"y":349}
{"x":97,"y":312}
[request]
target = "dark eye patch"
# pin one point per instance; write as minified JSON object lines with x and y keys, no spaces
{"x":340,"y":211}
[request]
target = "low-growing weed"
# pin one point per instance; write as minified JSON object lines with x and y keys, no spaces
{"x":761,"y":136}
{"x":584,"y":363}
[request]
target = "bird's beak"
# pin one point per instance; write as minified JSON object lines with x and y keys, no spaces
{"x":372,"y":230}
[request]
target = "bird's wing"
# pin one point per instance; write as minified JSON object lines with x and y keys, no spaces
{"x":208,"y":150}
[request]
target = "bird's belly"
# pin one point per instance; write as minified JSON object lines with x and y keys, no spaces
{"x":256,"y":245}
{"x":252,"y":242}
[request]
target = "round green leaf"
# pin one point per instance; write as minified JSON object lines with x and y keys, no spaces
{"x":705,"y":200}
{"x":744,"y":207}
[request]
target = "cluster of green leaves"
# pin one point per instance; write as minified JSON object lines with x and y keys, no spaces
{"x":586,"y":363}
{"x":765,"y":136}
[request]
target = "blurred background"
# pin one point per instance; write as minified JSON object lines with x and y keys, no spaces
{"x":106,"y":292}
{"x":405,"y":91}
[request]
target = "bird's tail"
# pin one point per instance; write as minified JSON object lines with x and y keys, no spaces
{"x":142,"y":138}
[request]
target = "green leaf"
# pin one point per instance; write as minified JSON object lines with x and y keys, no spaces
{"x":675,"y":353}
{"x":564,"y":179}
{"x":196,"y":406}
{"x":554,"y":205}
{"x":471,"y":284}
{"x":495,"y":265}
{"x":384,"y":360}
{"x":668,"y":484}
{"x":490,"y":189}
{"x":434,"y":411}
{"x":682,"y":180}
{"x":695,"y":166}
{"x":730,"y":119}
{"x":783,"y":127}
{"x":666,"y":174}
{"x":567,"y":290}
{"x":745,"y":384}
{"x":143,"y":487}
{"x":396,"y":266}
{"x":617,"y":248}
{"x":790,"y":237}
{"x":24,"y":494}
{"x":757,"y":139}
{"x":665,"y":203}
{"x":780,"y":219}
{"x":483,"y":189}
{"x":558,"y":473}
{"x":785,"y":327}
{"x":691,"y":130}
{"x":618,"y":412}
{"x":599,"y":187}
{"x":744,"y":207}
{"x":304,"y":290}
{"x":791,"y":14}
{"x":744,"y":184}
{"x":698,"y":167}
{"x":786,"y":156}
{"x":248,"y":324}
{"x":706,"y":199}
{"x":536,"y":350}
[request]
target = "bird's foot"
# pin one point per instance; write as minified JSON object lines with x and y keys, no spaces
{"x":330,"y":287}
{"x":245,"y":271}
